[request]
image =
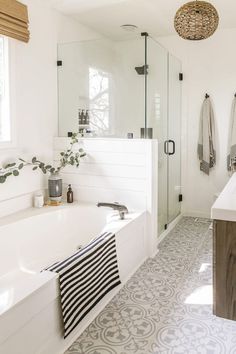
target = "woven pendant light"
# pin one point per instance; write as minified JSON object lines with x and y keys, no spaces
{"x":196,"y":20}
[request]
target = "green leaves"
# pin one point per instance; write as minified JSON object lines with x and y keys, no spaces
{"x":68,"y":157}
{"x":10,"y":165}
{"x":8,"y":174}
{"x":16,"y":173}
{"x":3,"y":179}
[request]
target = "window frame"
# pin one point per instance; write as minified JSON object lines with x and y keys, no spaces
{"x":9,"y":50}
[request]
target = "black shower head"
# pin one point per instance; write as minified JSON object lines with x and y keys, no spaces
{"x":142,"y":70}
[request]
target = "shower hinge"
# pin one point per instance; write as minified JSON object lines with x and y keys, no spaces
{"x":181,"y":76}
{"x":59,"y":63}
{"x":180,"y":197}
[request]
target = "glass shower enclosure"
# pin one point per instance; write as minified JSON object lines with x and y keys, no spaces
{"x":163,"y":105}
{"x":128,"y":88}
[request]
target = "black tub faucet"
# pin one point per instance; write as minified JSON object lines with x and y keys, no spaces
{"x":122,"y":209}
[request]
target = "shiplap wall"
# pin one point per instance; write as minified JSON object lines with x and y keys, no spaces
{"x":116,"y":170}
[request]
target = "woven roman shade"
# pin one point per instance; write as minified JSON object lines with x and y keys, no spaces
{"x":14,"y":20}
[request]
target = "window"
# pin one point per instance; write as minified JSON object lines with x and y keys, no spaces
{"x":99,"y":96}
{"x":5,"y":123}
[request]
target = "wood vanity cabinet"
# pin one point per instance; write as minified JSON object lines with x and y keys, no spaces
{"x":224,"y":269}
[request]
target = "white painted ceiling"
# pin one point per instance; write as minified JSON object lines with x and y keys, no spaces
{"x":153,"y":16}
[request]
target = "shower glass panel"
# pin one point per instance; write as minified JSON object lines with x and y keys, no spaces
{"x":157,"y":105}
{"x":99,"y":78}
{"x":164,"y":117}
{"x":174,"y":134}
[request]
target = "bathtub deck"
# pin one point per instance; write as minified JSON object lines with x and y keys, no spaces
{"x":32,"y":212}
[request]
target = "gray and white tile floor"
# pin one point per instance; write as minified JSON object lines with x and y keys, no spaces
{"x":166,"y":307}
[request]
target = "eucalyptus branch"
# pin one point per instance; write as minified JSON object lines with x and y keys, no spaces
{"x":67,"y":157}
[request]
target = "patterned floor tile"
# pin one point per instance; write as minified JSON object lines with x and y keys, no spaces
{"x":166,"y":307}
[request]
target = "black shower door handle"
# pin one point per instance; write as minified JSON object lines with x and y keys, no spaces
{"x":173,"y":143}
{"x":166,"y":147}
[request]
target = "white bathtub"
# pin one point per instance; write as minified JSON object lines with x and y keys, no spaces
{"x":30,"y":320}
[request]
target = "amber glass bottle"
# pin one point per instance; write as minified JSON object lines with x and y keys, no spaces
{"x":70,"y":197}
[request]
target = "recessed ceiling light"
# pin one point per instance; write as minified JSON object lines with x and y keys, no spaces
{"x":129,"y":28}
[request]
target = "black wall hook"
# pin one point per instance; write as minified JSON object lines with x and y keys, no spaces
{"x":235,"y":95}
{"x":207,"y":96}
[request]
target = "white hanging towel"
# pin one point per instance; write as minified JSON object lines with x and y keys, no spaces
{"x":231,"y":155}
{"x":206,"y":140}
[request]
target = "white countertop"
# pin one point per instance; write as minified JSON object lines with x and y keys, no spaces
{"x":224,"y":207}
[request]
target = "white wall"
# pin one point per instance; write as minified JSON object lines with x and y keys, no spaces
{"x":208,"y":66}
{"x":34,"y":98}
{"x":70,"y":30}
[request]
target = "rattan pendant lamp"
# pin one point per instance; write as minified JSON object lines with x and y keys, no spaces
{"x":196,"y":20}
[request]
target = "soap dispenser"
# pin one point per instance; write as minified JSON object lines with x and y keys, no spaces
{"x":70,"y":197}
{"x":87,"y":117}
{"x":82,"y":117}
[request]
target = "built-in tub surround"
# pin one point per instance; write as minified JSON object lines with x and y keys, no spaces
{"x":34,"y":239}
{"x":116,"y":170}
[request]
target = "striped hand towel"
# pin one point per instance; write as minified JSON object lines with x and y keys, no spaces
{"x":85,"y":278}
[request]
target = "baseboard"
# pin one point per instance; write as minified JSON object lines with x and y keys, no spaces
{"x":197,"y":214}
{"x":170,"y":228}
{"x":155,"y":253}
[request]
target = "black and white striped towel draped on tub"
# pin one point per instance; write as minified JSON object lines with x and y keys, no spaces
{"x":85,"y":278}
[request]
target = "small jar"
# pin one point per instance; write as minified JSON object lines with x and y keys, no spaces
{"x":38,"y":201}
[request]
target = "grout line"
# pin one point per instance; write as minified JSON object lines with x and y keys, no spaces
{"x":105,"y":176}
{"x":105,"y":152}
{"x":106,"y":163}
{"x":108,"y":189}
